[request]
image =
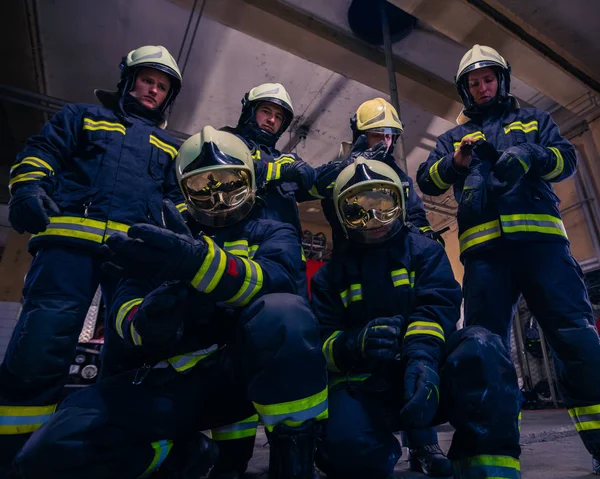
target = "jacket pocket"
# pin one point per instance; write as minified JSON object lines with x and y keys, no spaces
{"x":73,"y":197}
{"x":157,"y":163}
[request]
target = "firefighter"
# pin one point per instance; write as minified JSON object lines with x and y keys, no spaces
{"x":221,"y":304}
{"x":502,"y":161}
{"x":375,"y":130}
{"x":387,"y":303}
{"x":71,"y":188}
{"x":283,"y":180}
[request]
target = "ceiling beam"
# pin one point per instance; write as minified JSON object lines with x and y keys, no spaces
{"x":324,"y":44}
{"x":466,"y":24}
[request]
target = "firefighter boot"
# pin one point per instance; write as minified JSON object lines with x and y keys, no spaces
{"x":430,"y":460}
{"x":189,"y":459}
{"x":292,"y":451}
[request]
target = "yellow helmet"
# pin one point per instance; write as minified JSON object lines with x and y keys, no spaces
{"x":272,"y":93}
{"x":481,"y":56}
{"x":150,"y":56}
{"x":215,"y":172}
{"x":369,"y":201}
{"x":377,"y":116}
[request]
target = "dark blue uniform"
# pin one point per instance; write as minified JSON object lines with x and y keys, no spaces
{"x":409,"y":277}
{"x":515,"y":243}
{"x":250,"y":349}
{"x":105,"y":172}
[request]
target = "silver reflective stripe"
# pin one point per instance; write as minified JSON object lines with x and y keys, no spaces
{"x":76,"y":227}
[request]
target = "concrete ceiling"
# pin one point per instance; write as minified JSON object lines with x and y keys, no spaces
{"x":241,"y":43}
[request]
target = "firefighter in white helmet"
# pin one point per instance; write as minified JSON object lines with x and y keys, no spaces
{"x":502,"y":160}
{"x":92,"y":170}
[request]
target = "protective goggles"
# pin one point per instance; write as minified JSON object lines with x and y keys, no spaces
{"x":384,"y":131}
{"x":370,"y":208}
{"x":216,"y":190}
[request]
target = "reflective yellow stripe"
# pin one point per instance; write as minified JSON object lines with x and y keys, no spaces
{"x":560,"y":164}
{"x":533,"y":223}
{"x":32,"y":161}
{"x":170,"y":150}
{"x":89,"y":124}
{"x":273,"y":171}
{"x":402,"y":277}
{"x":161,"y":451}
{"x":181,"y":207}
{"x":252,"y":284}
{"x":519,"y":417}
{"x":334,"y":381}
{"x":113,"y":226}
{"x":315,"y":193}
{"x":295,"y":412}
{"x":436,"y":178}
{"x":23,"y":419}
{"x":238,"y":248}
{"x":256,"y":155}
{"x":29,"y":176}
{"x":252,"y":250}
{"x":354,"y":293}
{"x":212,"y":269}
{"x":425,"y":229}
{"x":75,"y":227}
{"x":328,"y":351}
{"x":135,"y":337}
{"x":586,"y":418}
{"x":183,"y":362}
{"x":525,"y":127}
{"x":476,"y":135}
{"x":284,"y":160}
{"x":123,"y":312}
{"x":490,"y":467}
{"x":238,"y":430}
{"x":425,"y":327}
{"x":479,"y":234}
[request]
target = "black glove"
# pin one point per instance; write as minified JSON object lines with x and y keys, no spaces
{"x":421,"y":394}
{"x":436,"y":235}
{"x":160,"y":317}
{"x":299,"y":172}
{"x":513,"y":164}
{"x":379,"y":339}
{"x":29,"y":208}
{"x":147,"y":251}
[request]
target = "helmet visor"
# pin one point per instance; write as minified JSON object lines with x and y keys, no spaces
{"x":215,"y":197}
{"x":384,"y":130}
{"x":370,"y":208}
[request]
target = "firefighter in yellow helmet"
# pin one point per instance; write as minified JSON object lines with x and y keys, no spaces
{"x":501,"y":161}
{"x":92,"y":170}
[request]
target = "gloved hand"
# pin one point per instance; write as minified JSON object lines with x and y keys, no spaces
{"x":376,"y":152}
{"x":160,"y":317}
{"x":513,"y":164}
{"x":149,"y":251}
{"x":29,"y":208}
{"x":299,"y":172}
{"x":379,"y":339}
{"x":421,"y":394}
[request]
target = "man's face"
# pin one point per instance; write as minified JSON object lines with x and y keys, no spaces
{"x":151,"y":87}
{"x":269,"y":116}
{"x":483,"y":84}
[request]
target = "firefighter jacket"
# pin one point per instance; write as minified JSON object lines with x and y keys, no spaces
{"x":529,"y":212}
{"x":408,"y":276}
{"x":104,"y":171}
{"x":244,"y":262}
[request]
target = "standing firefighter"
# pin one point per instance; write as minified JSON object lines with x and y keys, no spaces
{"x":387,"y":304}
{"x":71,"y":188}
{"x":375,"y":130}
{"x":221,"y":304}
{"x":502,"y":161}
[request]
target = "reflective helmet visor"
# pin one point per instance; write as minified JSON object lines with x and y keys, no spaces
{"x":369,"y":209}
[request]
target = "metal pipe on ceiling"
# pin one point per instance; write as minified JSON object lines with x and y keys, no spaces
{"x":391,"y":71}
